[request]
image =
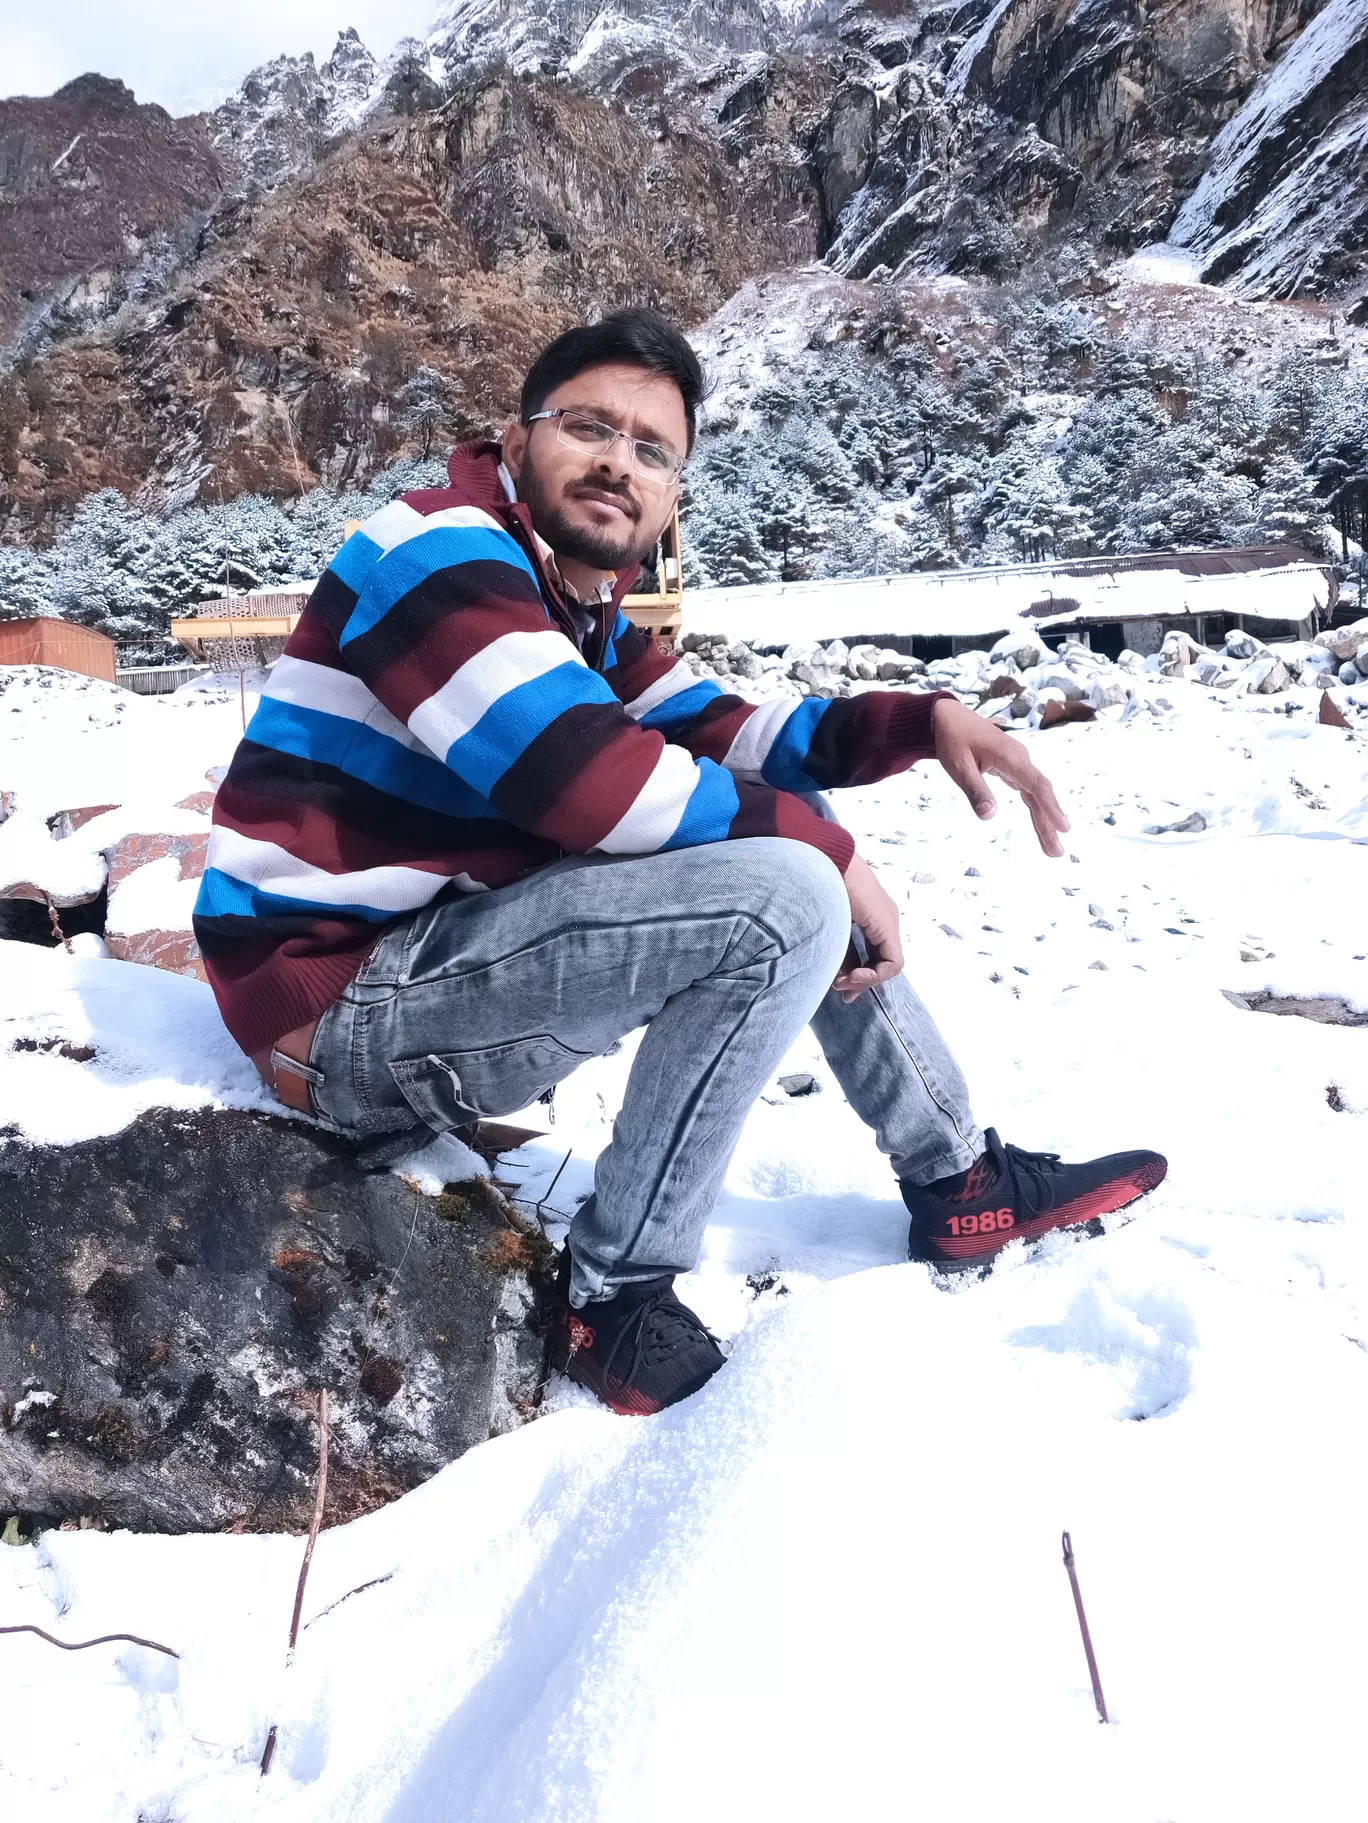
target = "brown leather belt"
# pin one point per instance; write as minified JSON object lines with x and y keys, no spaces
{"x":291,"y":1085}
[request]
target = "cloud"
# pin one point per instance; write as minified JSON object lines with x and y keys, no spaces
{"x":183,"y":56}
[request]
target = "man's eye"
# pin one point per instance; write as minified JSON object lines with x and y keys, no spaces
{"x":653,"y":455}
{"x":588,"y":430}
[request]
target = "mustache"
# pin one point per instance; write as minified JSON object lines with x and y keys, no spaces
{"x":589,"y":485}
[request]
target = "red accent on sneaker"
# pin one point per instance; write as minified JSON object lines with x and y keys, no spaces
{"x":581,"y":1336}
{"x":979,"y":1178}
{"x":1104,"y":1200}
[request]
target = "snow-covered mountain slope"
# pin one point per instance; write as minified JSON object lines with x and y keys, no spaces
{"x":286,"y":112}
{"x":830,"y":1585}
{"x":1282,"y":207}
{"x":594,"y":44}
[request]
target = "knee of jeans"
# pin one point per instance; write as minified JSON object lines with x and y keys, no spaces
{"x":806,"y":901}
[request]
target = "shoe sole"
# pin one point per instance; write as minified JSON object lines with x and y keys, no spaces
{"x":1079,"y":1226}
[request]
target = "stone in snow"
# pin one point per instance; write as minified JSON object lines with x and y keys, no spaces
{"x":1190,"y":826}
{"x":800,"y":1084}
{"x":1330,"y":715}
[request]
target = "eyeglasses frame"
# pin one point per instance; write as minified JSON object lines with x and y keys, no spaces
{"x":575,"y":411}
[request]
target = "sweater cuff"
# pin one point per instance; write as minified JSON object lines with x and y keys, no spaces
{"x":836,"y":844}
{"x":910,"y":733}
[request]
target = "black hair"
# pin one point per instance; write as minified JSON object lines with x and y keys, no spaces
{"x":639,"y":338}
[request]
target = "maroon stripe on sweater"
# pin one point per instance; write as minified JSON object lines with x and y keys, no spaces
{"x":639,"y":664}
{"x":411,"y":673}
{"x":552,"y":767}
{"x":314,"y":640}
{"x":603,"y":791}
{"x":712,"y":731}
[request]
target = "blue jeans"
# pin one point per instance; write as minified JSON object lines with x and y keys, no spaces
{"x":476,"y":1005}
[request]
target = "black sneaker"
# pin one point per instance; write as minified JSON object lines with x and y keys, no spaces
{"x":1011,"y":1194}
{"x":639,"y":1351}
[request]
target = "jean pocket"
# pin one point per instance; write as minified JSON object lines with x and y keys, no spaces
{"x":449,"y":1089}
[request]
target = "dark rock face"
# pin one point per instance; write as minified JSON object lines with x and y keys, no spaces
{"x":172,"y":1297}
{"x":94,"y":189}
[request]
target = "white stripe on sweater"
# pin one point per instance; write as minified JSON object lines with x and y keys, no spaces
{"x":656,"y":811}
{"x":396,"y":523}
{"x":679,"y":677}
{"x":756,"y":735}
{"x":275,"y":870}
{"x":310,"y":686}
{"x":501,"y":666}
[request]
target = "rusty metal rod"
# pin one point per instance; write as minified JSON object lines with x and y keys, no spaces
{"x":1098,"y":1697}
{"x":84,"y":1645}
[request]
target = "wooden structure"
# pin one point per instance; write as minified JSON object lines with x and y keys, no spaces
{"x":43,"y":639}
{"x":661,"y":610}
{"x":243,"y":632}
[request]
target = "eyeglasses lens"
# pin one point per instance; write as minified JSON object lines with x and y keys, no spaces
{"x":588,"y":433}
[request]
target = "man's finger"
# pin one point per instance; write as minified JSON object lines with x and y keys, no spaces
{"x":851,"y":983}
{"x":1013,"y":767}
{"x":958,"y":760}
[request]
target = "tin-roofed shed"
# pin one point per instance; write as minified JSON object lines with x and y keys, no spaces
{"x":43,"y":639}
{"x":1273,"y":591}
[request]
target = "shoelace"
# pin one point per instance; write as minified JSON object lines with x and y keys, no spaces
{"x":1027,"y":1173}
{"x":648,"y":1345}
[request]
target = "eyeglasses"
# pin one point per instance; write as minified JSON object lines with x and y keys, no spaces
{"x":653,"y":461}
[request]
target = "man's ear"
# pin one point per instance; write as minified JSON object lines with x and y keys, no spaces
{"x":514,"y":448}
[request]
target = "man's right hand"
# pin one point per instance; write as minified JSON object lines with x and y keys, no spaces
{"x":877,"y":916}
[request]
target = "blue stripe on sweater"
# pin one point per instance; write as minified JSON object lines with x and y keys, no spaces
{"x":355,"y":561}
{"x":784,"y":764}
{"x":363,"y":753}
{"x":514,"y":720}
{"x":445,"y":547}
{"x":677,"y":711}
{"x":710,"y":811}
{"x":222,"y":895}
{"x":621,"y":624}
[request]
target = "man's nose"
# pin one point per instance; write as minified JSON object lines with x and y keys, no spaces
{"x":616,"y":462}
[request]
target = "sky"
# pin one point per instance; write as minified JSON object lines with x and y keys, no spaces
{"x":184,"y":55}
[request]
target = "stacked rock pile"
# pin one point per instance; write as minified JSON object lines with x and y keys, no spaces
{"x":1020,"y":680}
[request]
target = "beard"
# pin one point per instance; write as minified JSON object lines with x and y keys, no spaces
{"x":603,"y":548}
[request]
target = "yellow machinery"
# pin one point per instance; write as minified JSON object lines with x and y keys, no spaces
{"x":241,"y":632}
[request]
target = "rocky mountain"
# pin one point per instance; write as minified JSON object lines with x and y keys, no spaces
{"x":100,"y":199}
{"x":347,"y":260}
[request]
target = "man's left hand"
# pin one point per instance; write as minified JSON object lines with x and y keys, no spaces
{"x":972,"y":749}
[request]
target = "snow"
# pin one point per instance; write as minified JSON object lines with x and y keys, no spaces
{"x":153,"y":897}
{"x":1290,"y":220}
{"x":829,"y":1585}
{"x":156,"y":1038}
{"x":30,"y":857}
{"x":967,"y":603}
{"x":957,"y":79}
{"x":1162,"y":264}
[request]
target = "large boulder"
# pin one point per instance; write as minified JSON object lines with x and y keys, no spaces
{"x":172,"y":1297}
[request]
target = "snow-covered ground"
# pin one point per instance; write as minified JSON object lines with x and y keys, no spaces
{"x":830,"y":1585}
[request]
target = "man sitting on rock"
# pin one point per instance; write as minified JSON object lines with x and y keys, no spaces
{"x":480,"y":827}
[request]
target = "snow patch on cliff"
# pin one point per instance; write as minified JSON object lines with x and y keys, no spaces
{"x":1281,"y":189}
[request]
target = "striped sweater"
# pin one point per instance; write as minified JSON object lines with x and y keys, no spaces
{"x":433,"y":726}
